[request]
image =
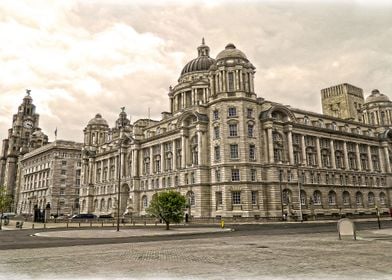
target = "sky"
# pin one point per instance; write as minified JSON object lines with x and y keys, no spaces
{"x":80,"y":58}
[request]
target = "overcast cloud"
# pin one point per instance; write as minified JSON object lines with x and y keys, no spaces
{"x":84,"y":57}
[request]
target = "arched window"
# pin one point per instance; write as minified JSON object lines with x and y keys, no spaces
{"x":278,"y":147}
{"x":359,"y":199}
{"x":346,"y":198}
{"x":383,"y":198}
{"x":370,"y":198}
{"x":195,"y":150}
{"x":331,"y":198}
{"x":286,"y":196}
{"x":191,"y":198}
{"x":109,"y":205}
{"x":144,"y":202}
{"x":96,"y":205}
{"x":102,"y":206}
{"x":83,"y":205}
{"x":303,"y":198}
{"x":317,"y":198}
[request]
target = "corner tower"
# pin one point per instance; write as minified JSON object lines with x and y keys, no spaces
{"x":343,"y":101}
{"x":19,"y":141}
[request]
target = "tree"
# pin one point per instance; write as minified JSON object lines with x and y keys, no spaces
{"x":168,"y":206}
{"x":5,"y":203}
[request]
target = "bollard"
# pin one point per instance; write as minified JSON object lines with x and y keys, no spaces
{"x":44,"y":225}
{"x":91,"y":223}
{"x":134,"y":223}
{"x":144,"y":223}
{"x":101,"y":224}
{"x":67,"y":224}
{"x":222,"y":224}
{"x":32,"y":226}
{"x":79,"y":224}
{"x":112,"y":223}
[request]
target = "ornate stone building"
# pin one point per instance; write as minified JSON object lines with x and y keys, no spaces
{"x":50,"y":175}
{"x":24,"y":136}
{"x":234,"y":154}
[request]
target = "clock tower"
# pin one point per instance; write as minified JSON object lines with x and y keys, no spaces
{"x":21,"y":139}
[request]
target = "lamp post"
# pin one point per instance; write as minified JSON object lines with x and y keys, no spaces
{"x":281,"y":193}
{"x":119,"y":185}
{"x":299,"y":194}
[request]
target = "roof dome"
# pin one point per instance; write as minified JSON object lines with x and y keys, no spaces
{"x":98,"y":120}
{"x":376,"y":96}
{"x":201,"y":63}
{"x":231,"y":51}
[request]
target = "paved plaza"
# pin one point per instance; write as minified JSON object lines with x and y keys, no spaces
{"x":291,"y":256}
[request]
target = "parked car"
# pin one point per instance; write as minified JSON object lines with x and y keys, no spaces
{"x":108,"y":216}
{"x":83,"y":217}
{"x":8,"y":215}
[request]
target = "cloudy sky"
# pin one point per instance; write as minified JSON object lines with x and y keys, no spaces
{"x":84,"y":57}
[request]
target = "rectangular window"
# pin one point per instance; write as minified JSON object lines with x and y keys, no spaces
{"x":232,"y":112}
{"x":230,"y":77}
{"x":63,"y":172}
{"x":234,"y":151}
{"x":254,"y":197}
{"x":250,"y":130}
{"x":249,"y":113}
{"x":216,"y":115}
{"x":252,"y":152}
{"x":236,"y":198}
{"x":235,"y":175}
{"x":233,"y":130}
{"x":216,"y":132}
{"x":218,"y":196}
{"x":217,"y":175}
{"x":192,"y":178}
{"x":253,"y":175}
{"x":217,"y":153}
{"x":64,"y":162}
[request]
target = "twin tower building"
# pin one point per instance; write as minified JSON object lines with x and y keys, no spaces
{"x":230,"y":152}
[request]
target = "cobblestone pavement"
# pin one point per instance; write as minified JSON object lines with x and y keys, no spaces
{"x":294,"y":256}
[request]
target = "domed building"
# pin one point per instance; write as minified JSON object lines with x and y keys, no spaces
{"x":377,"y":109}
{"x":236,"y":155}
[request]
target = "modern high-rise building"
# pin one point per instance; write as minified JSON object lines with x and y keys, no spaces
{"x":235,"y":154}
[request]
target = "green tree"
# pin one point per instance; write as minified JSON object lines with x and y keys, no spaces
{"x":5,"y":203}
{"x":168,"y":206}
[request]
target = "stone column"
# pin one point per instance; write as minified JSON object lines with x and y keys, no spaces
{"x":270,"y":143}
{"x":151,"y":161}
{"x":303,"y":149}
{"x":183,"y":150}
{"x":333,"y":162}
{"x":345,"y":155}
{"x":289,"y":129}
{"x":135,"y":163}
{"x":241,"y":85}
{"x":386,"y":157}
{"x":224,"y":80}
{"x":251,"y":85}
{"x":163,"y":164}
{"x":91,"y":170}
{"x":381,"y":161}
{"x":199,"y":147}
{"x":369,"y":152}
{"x":174,"y":155}
{"x":237,"y":79}
{"x":318,"y":152}
{"x":358,"y":156}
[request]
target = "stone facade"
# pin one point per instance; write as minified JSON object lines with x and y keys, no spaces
{"x":234,"y":154}
{"x":50,"y":175}
{"x":24,"y":136}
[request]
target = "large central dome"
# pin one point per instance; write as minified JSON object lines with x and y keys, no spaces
{"x":201,"y":63}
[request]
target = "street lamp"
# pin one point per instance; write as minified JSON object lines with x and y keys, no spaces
{"x":119,"y":184}
{"x":281,"y":193}
{"x":299,"y":194}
